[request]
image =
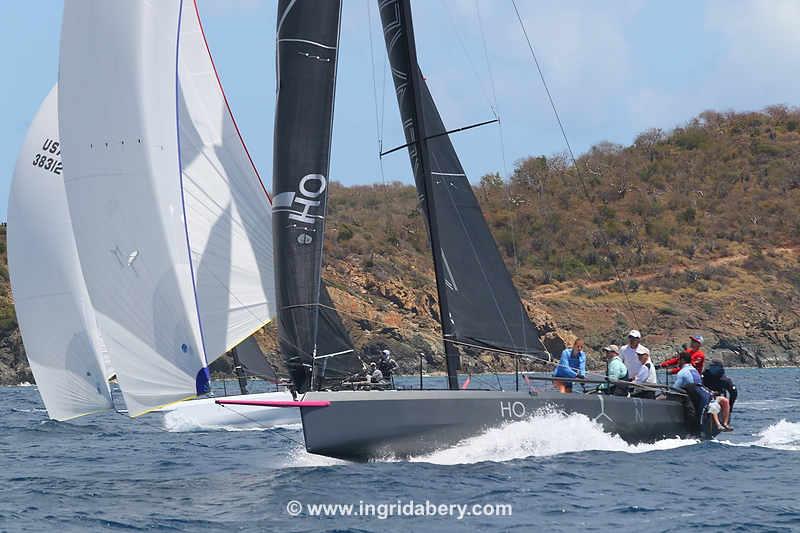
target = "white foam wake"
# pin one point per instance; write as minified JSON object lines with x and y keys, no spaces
{"x":545,"y":434}
{"x":782,"y":435}
{"x":300,"y":458}
{"x":181,"y":422}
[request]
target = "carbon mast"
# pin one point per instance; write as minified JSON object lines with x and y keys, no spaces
{"x":398,"y":32}
{"x":480,"y":306}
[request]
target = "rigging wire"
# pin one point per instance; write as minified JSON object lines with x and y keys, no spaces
{"x":378,"y":115}
{"x":155,"y":426}
{"x":578,"y":172}
{"x":509,"y":193}
{"x":272,"y":430}
{"x":470,"y":62}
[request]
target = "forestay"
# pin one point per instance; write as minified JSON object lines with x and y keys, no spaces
{"x":53,"y":309}
{"x":118,"y":109}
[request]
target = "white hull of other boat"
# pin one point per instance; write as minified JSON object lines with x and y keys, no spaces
{"x":205,"y":413}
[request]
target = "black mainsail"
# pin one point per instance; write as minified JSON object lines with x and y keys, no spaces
{"x":311,"y":335}
{"x":480,"y":306}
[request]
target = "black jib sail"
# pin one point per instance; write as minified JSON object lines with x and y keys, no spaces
{"x":479,"y":304}
{"x":306,"y":48}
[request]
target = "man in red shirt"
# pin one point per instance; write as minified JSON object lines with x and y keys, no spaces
{"x":698,"y":357}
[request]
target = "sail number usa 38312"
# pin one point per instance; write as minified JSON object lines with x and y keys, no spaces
{"x":49,"y":158}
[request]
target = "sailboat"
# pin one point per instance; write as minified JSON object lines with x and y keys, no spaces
{"x":480,"y":307}
{"x":151,"y":259}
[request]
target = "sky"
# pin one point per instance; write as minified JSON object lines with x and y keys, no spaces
{"x":615,"y":68}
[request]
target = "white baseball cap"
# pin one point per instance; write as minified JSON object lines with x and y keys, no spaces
{"x":641,"y":350}
{"x":635,"y":333}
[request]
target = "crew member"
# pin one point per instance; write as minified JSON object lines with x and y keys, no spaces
{"x":714,"y":409}
{"x":687,"y":375}
{"x":616,"y":372}
{"x":571,"y":365}
{"x":688,"y":381}
{"x":387,"y":365}
{"x":374,"y":375}
{"x":715,"y":379}
{"x":697,"y":356}
{"x":630,"y":353}
{"x":646,"y":375}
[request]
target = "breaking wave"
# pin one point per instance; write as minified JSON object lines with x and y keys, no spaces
{"x":781,"y":435}
{"x":545,"y":434}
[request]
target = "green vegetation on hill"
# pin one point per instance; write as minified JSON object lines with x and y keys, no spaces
{"x":8,"y":317}
{"x":701,"y":191}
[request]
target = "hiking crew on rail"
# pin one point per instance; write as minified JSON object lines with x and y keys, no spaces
{"x":631,"y":372}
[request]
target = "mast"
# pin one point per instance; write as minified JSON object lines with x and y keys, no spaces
{"x":307,"y":49}
{"x":239,"y":371}
{"x":398,"y":31}
{"x":480,"y":306}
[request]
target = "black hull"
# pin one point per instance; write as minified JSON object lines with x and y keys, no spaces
{"x":378,"y":424}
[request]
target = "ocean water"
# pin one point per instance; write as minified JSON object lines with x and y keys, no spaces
{"x":556,"y":472}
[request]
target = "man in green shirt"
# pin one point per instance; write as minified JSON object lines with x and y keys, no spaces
{"x":617,"y":371}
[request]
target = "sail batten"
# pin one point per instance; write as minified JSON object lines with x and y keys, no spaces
{"x":479,"y":303}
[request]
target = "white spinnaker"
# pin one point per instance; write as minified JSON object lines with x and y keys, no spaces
{"x":118,"y":109}
{"x":53,"y":309}
{"x":227,"y":208}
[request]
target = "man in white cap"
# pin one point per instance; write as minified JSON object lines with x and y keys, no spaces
{"x":630,"y":353}
{"x":387,"y":365}
{"x":646,"y":375}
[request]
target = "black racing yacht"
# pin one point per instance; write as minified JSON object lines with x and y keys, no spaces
{"x":479,"y":305}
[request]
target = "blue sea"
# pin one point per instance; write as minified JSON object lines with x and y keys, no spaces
{"x":551,"y":473}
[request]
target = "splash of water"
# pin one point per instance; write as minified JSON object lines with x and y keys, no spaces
{"x":545,"y":434}
{"x":300,"y":458}
{"x":180,"y":422}
{"x":782,"y":435}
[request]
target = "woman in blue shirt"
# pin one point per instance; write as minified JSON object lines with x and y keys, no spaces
{"x":571,"y":365}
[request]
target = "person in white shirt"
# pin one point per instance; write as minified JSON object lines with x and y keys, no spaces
{"x":374,"y":375}
{"x":630,"y":353}
{"x":647,"y":373}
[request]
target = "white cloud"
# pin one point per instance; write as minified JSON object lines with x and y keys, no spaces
{"x":761,"y":52}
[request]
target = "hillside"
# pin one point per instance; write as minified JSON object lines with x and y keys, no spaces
{"x":693,"y":230}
